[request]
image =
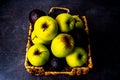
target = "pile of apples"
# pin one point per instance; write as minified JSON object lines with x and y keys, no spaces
{"x":62,"y":37}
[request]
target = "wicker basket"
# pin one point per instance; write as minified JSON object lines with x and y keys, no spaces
{"x":39,"y":71}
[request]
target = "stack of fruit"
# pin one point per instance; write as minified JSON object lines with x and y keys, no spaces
{"x":57,"y":41}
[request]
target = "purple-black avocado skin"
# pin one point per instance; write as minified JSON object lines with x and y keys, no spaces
{"x":35,"y":14}
{"x":80,"y":37}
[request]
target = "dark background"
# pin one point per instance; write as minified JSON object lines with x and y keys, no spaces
{"x":103,"y":21}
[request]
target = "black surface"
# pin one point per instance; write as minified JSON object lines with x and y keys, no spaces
{"x":103,"y":19}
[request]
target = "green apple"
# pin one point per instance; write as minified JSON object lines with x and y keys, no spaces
{"x":78,"y":22}
{"x":46,"y":28}
{"x":37,"y":40}
{"x":62,"y":45}
{"x":65,"y":21}
{"x":38,"y":55}
{"x":77,"y":58}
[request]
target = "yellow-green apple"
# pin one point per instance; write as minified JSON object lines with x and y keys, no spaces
{"x":78,"y":22}
{"x":77,"y":58}
{"x":46,"y":28}
{"x":65,"y":21}
{"x":38,"y":55}
{"x":62,"y":45}
{"x":37,"y":40}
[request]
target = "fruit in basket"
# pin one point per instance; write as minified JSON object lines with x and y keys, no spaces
{"x":65,"y":21}
{"x":37,"y":40}
{"x":46,"y":28}
{"x":56,"y":64}
{"x":77,"y":58}
{"x":80,"y":37}
{"x":35,"y":14}
{"x":62,"y":45}
{"x":78,"y":22}
{"x":38,"y":55}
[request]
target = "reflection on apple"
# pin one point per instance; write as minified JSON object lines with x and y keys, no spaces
{"x":38,"y":55}
{"x":65,"y":21}
{"x":77,"y":58}
{"x":62,"y":45}
{"x":46,"y":28}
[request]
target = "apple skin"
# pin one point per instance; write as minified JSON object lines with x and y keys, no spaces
{"x":38,"y":55}
{"x":77,"y":58}
{"x":78,"y":22}
{"x":37,"y":40}
{"x":46,"y":28}
{"x":62,"y":45}
{"x":66,"y":22}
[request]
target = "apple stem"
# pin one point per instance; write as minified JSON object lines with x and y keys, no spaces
{"x":68,"y":22}
{"x":34,"y":37}
{"x":45,"y":26}
{"x":79,"y":56}
{"x":37,"y":52}
{"x":75,"y":20}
